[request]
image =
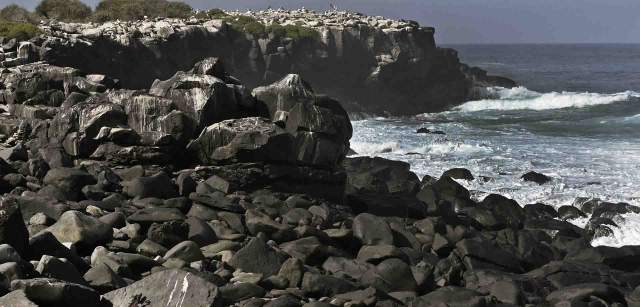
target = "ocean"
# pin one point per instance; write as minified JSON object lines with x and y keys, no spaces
{"x":575,"y":117}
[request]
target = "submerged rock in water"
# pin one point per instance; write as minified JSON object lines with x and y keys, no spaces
{"x":536,"y":177}
{"x":429,"y":131}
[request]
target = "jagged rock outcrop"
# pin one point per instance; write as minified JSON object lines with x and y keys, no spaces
{"x":372,"y":64}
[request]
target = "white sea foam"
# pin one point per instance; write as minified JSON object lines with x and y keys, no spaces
{"x":521,"y":98}
{"x":452,"y":147}
{"x":628,"y":232}
{"x":366,"y":148}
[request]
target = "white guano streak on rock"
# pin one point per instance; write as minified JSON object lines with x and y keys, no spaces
{"x":175,"y":285}
{"x":185,"y":287}
{"x":183,"y":292}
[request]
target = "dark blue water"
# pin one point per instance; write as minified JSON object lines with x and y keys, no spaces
{"x":600,"y":68}
{"x":575,"y":117}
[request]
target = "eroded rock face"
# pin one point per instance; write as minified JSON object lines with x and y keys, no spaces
{"x":207,"y":94}
{"x":372,"y":63}
{"x":304,"y":129}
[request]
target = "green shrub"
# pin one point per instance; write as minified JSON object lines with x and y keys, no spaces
{"x":178,"y":10}
{"x":246,"y":24}
{"x":277,"y":30}
{"x":64,"y":10}
{"x":119,"y":9}
{"x":301,"y":32}
{"x":138,"y":9}
{"x":21,"y":31}
{"x":16,"y":13}
{"x":212,"y":14}
{"x":295,"y":32}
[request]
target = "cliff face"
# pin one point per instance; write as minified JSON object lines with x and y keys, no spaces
{"x":372,"y":64}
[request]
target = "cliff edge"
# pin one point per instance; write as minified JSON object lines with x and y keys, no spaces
{"x":372,"y":64}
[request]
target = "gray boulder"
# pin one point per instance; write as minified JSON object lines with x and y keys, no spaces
{"x":158,"y":185}
{"x":382,"y":187}
{"x":204,"y":98}
{"x":61,"y":269}
{"x":284,"y":94}
{"x":102,"y":278}
{"x":245,"y":139}
{"x":76,"y":227}
{"x":372,"y":230}
{"x":257,"y":257}
{"x":168,"y":288}
{"x":69,"y":180}
{"x":53,"y":292}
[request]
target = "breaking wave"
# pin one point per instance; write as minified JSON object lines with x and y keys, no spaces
{"x":521,"y":98}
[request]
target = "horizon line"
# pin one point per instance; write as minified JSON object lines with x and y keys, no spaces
{"x":538,"y":43}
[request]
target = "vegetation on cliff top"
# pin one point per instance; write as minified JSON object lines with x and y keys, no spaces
{"x":16,"y":13}
{"x":66,"y":10}
{"x":21,"y":31}
{"x":17,"y":23}
{"x":254,"y":27}
{"x":17,"y":20}
{"x":296,"y":32}
{"x":139,"y":9}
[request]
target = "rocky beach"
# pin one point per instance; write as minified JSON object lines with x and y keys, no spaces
{"x":182,"y":162}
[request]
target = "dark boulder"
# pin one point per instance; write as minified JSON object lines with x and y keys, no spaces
{"x":459,"y":173}
{"x":540,"y":211}
{"x":624,"y":258}
{"x":390,"y":275}
{"x":102,"y":278}
{"x":53,"y":292}
{"x":478,"y":253}
{"x":70,"y":181}
{"x":536,"y":177}
{"x":246,"y":139}
{"x":12,"y":228}
{"x":257,"y":257}
{"x":78,"y":228}
{"x":52,"y":267}
{"x":309,"y":249}
{"x":156,"y":215}
{"x":317,"y":285}
{"x":446,"y":190}
{"x":570,"y":212}
{"x":45,"y":243}
{"x":561,"y":274}
{"x":507,"y":211}
{"x":451,"y":296}
{"x":382,"y":187}
{"x":588,"y":294}
{"x":158,"y":185}
{"x":613,"y":210}
{"x":234,"y":293}
{"x":372,"y":230}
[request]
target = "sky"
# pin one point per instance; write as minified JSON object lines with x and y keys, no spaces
{"x":478,"y":21}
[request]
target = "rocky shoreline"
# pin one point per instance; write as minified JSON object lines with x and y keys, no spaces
{"x":371,"y":64}
{"x":202,"y":191}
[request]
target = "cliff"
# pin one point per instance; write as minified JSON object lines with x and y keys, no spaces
{"x":372,"y":64}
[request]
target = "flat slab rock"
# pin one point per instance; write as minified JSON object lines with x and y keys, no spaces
{"x":167,"y":288}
